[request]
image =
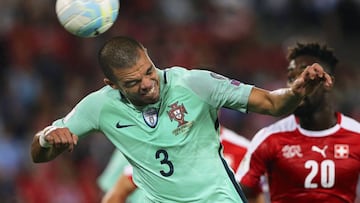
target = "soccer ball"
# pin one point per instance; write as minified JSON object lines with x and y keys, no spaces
{"x":87,"y":18}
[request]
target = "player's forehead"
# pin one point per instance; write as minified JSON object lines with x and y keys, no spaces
{"x":140,"y":68}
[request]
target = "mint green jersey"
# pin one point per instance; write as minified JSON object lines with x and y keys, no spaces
{"x":173,"y":145}
{"x":111,"y":174}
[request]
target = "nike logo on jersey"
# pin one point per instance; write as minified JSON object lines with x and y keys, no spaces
{"x":118,"y":125}
{"x":321,"y":151}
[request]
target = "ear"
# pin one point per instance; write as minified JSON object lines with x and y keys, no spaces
{"x":111,"y":84}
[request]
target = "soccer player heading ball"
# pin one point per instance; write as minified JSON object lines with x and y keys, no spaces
{"x":165,"y":122}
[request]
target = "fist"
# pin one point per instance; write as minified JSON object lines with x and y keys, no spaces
{"x":59,"y":137}
{"x":310,"y":79}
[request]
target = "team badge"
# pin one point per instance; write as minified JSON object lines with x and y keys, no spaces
{"x":177,"y":113}
{"x":151,"y":117}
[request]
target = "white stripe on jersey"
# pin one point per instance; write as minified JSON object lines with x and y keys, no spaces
{"x":233,"y":137}
{"x":349,"y":124}
{"x":283,"y":125}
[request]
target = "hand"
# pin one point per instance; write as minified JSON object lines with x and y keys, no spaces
{"x":310,"y":79}
{"x":61,"y":138}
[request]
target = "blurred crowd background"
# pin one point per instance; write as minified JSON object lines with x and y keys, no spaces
{"x":45,"y":71}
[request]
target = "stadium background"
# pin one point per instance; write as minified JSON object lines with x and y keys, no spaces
{"x":45,"y":71}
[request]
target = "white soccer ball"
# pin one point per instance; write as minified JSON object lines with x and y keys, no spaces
{"x":87,"y":18}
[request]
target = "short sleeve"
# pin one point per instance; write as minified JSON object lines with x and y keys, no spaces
{"x":219,"y":90}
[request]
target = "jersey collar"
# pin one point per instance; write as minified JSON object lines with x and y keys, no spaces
{"x":319,"y":133}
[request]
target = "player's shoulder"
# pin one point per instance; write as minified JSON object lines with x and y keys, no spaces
{"x":176,"y":70}
{"x":182,"y":70}
{"x":349,"y":123}
{"x":175,"y":74}
{"x":187,"y":78}
{"x":283,"y":125}
{"x":105,"y":92}
{"x":101,"y":96}
{"x":183,"y":73}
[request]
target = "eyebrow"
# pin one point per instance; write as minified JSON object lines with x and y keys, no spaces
{"x":134,"y":80}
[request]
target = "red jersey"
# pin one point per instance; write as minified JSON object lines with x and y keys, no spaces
{"x":305,"y":166}
{"x":234,"y":147}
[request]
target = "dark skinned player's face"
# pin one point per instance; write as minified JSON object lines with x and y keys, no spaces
{"x":311,"y":103}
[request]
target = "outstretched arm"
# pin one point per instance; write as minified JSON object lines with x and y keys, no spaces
{"x":50,"y":142}
{"x":285,"y":100}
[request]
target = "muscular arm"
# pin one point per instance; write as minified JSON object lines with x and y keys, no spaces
{"x":275,"y":103}
{"x":285,"y":100}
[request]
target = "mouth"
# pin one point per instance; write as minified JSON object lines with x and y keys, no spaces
{"x":152,"y":94}
{"x":151,"y":91}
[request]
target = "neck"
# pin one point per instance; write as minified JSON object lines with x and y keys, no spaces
{"x":319,"y":120}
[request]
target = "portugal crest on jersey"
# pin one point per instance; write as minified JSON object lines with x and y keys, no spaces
{"x":177,"y":113}
{"x":151,"y":116}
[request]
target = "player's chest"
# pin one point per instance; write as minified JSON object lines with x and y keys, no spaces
{"x":174,"y":119}
{"x":317,"y":163}
{"x":326,"y":152}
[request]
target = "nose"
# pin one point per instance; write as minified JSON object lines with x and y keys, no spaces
{"x":146,"y":84}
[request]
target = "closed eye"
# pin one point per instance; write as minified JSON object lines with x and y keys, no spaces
{"x":150,"y":70}
{"x":131,"y":83}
